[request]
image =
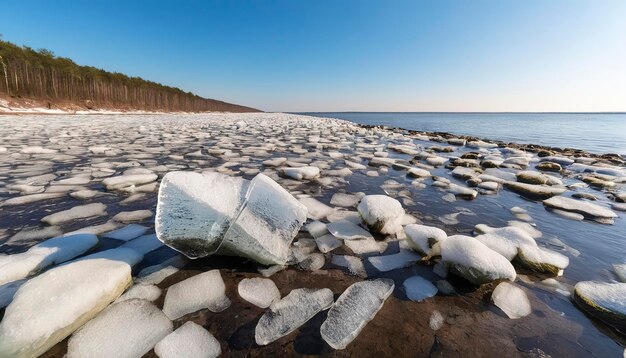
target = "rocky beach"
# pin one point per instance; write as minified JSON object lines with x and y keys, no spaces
{"x":271,"y":234}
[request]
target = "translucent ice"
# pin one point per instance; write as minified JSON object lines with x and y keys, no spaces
{"x":356,"y":306}
{"x":157,"y":273}
{"x":347,"y":230}
{"x":195,"y":210}
{"x":256,"y":219}
{"x":266,"y":225}
{"x":391,"y":262}
{"x":327,"y":243}
{"x":206,"y":290}
{"x":291,"y":312}
{"x":418,"y":288}
{"x":261,"y":292}
{"x":126,"y":329}
{"x":512,"y":300}
{"x":188,"y":341}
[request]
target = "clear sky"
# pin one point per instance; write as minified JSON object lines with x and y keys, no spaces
{"x":361,"y":55}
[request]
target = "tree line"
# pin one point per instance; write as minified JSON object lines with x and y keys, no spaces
{"x":39,"y":74}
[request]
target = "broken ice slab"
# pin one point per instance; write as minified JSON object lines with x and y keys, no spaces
{"x":77,"y":212}
{"x":50,"y":252}
{"x":201,"y":214}
{"x":188,"y":341}
{"x":74,"y":293}
{"x":356,"y":306}
{"x":291,"y":312}
{"x":266,"y":225}
{"x":512,"y":300}
{"x":418,"y":288}
{"x":386,"y":263}
{"x":347,"y":230}
{"x":195,"y":210}
{"x":125,"y":329}
{"x":261,"y":292}
{"x":206,"y":290}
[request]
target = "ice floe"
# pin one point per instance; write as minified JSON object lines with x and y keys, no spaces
{"x":291,"y":312}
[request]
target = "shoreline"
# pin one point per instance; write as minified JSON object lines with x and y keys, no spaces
{"x":614,"y":158}
{"x":351,"y":159}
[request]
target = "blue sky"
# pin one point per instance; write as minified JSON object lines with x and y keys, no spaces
{"x":333,"y":55}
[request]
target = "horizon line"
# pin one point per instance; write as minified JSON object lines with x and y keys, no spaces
{"x":464,"y":112}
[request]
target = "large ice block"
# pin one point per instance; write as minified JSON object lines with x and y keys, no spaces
{"x":202,"y":214}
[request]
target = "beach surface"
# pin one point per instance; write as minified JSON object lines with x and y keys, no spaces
{"x":98,"y":174}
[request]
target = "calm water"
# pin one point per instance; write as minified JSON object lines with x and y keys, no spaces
{"x":593,"y":132}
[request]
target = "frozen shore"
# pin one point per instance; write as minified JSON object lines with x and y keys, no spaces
{"x":99,"y":175}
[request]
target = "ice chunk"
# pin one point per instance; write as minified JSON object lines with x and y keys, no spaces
{"x":381,"y":213}
{"x":157,"y":273}
{"x":126,"y":329}
{"x":347,"y":230}
{"x":512,"y":300}
{"x":317,"y":229}
{"x":421,"y":238}
{"x":77,"y":212}
{"x":607,"y":301}
{"x":127,"y":233}
{"x":346,"y":200}
{"x":300,"y":173}
{"x":122,"y":181}
{"x":356,"y":306}
{"x":84,"y":194}
{"x":327,"y":243}
{"x":50,"y":252}
{"x":353,"y":264}
{"x":585,"y":208}
{"x":197,"y":222}
{"x":316,"y":209}
{"x":188,"y":341}
{"x":266,"y":225}
{"x":195,"y":210}
{"x":129,"y":216}
{"x":27,"y":199}
{"x":418,"y":288}
{"x":366,"y":246}
{"x":291,"y":312}
{"x":391,"y":262}
{"x":145,"y":292}
{"x":474,"y":261}
{"x":206,"y":290}
{"x":261,"y":292}
{"x":74,"y":293}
